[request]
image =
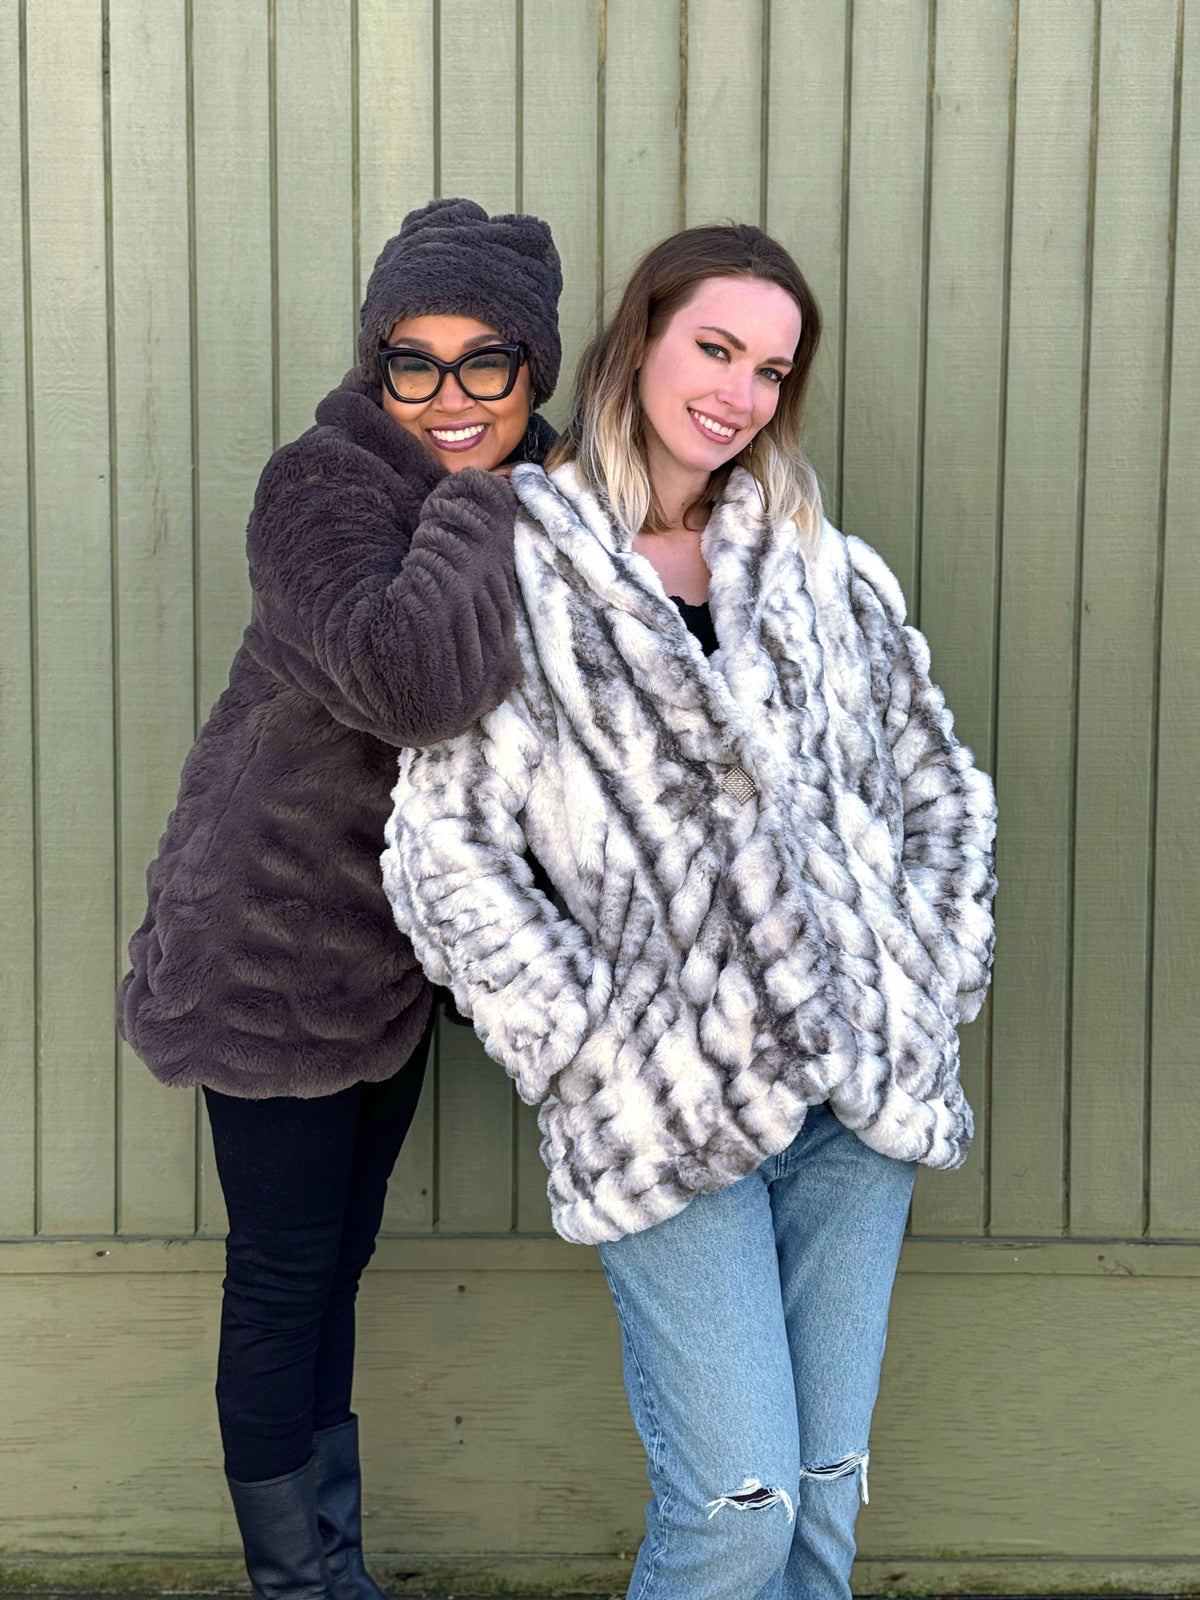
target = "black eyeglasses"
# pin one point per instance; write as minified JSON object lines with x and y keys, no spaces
{"x":484,"y":374}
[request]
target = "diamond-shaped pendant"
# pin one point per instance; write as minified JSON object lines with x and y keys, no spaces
{"x":739,"y":784}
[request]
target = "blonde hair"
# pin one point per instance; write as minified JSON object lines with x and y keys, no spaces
{"x":604,"y":435}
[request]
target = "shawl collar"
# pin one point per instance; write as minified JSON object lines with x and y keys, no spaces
{"x":717,"y":708}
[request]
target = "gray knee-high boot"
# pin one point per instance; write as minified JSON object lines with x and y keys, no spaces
{"x":278,"y":1523}
{"x":339,"y":1511}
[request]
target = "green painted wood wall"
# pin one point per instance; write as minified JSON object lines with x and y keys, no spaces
{"x":998,"y":203}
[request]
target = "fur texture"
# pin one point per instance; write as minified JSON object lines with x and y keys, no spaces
{"x":720,"y":966}
{"x":383,"y":597}
{"x":451,"y":257}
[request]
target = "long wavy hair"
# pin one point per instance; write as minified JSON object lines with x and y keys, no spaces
{"x":605,"y":434}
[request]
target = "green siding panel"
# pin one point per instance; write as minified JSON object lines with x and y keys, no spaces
{"x":1175,"y":1104}
{"x":396,"y":133}
{"x":806,"y":170}
{"x":18,"y":843}
{"x":235,"y":422}
{"x":317,"y":300}
{"x":963,"y":444}
{"x":559,"y":161}
{"x":723,"y":127}
{"x":475,"y":1185}
{"x":410,"y":1195}
{"x":885,"y":283}
{"x":153,"y":539}
{"x":1035,"y":712}
{"x":77,"y":913}
{"x":642,"y":124}
{"x":1118,"y":639}
{"x":495,"y":1390}
{"x":480,"y":103}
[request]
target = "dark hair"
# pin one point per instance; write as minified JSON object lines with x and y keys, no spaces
{"x":604,"y":433}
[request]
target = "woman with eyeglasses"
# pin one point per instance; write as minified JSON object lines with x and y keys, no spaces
{"x":268,"y":969}
{"x":774,"y":866}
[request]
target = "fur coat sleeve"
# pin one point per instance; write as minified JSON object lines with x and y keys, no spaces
{"x":407,"y":641}
{"x":949,"y":813}
{"x":457,"y":874}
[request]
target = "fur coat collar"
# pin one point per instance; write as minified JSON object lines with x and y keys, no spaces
{"x":774,"y":865}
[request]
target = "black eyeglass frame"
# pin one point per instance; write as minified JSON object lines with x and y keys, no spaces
{"x":517,"y":355}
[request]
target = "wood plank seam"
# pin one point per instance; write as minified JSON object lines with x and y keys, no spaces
{"x":355,"y":182}
{"x":34,"y":651}
{"x":989,"y":1021}
{"x":114,"y":567}
{"x":1159,"y":576}
{"x":844,"y":262}
{"x":1089,"y":274}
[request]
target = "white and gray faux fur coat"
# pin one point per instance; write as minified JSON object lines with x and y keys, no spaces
{"x":722,"y":962}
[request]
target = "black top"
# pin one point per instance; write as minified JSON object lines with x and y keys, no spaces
{"x":698,"y":620}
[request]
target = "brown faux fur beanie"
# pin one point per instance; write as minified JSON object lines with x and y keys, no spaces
{"x":450,"y":258}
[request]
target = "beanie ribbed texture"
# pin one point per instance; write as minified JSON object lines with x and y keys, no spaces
{"x":451,"y":259}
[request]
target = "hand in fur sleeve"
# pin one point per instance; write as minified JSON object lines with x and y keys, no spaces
{"x":948,"y":803}
{"x":408,"y":640}
{"x":461,"y":889}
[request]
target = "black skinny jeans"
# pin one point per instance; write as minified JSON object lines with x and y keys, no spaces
{"x":304,"y":1184}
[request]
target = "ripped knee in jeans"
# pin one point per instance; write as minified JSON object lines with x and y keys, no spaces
{"x":856,"y":1462}
{"x":752,"y":1496}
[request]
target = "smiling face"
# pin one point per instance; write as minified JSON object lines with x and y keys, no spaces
{"x":458,"y":431}
{"x":710,"y":381}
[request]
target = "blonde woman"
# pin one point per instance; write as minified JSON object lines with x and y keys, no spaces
{"x":774,"y":880}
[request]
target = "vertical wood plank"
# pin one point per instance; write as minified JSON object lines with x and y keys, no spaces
{"x":641,"y":137}
{"x":885,"y":282}
{"x":558,"y":162}
{"x":1175,"y":1105}
{"x":480,"y":52}
{"x":212,"y":1220}
{"x":724,"y":111}
{"x":18,"y":931}
{"x":533,"y":1202}
{"x":409,"y":1206}
{"x":1118,"y":626}
{"x":475,"y":1138}
{"x":479,"y":104}
{"x":396,"y":132}
{"x":74,"y":622}
{"x":805,"y":159}
{"x":963,"y":443}
{"x":1035,"y":734}
{"x":317,"y":296}
{"x":152,"y":399}
{"x":233,"y":317}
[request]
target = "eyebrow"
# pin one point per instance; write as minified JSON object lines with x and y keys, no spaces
{"x":468,"y":344}
{"x":707,"y":327}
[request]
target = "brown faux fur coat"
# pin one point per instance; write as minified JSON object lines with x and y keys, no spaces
{"x":268,"y":962}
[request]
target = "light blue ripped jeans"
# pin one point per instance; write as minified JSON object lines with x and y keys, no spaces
{"x":753,"y":1326}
